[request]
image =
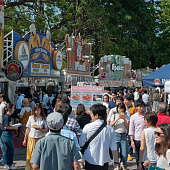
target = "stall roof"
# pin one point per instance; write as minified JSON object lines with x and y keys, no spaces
{"x":158,"y":77}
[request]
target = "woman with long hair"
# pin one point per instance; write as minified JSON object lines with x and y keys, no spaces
{"x":36,"y":129}
{"x":162,"y":146}
{"x":106,"y":100}
{"x":120,"y":122}
{"x":8,"y":146}
{"x":82,"y":117}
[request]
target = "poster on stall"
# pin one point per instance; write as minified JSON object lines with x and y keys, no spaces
{"x":87,"y":95}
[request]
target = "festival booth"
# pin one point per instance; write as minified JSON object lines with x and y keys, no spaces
{"x":33,"y":61}
{"x":117,"y":71}
{"x":78,"y":61}
{"x":157,"y":78}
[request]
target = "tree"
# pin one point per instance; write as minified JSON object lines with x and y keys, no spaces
{"x":162,"y":43}
{"x":124,"y":27}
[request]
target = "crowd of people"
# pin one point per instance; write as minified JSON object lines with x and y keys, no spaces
{"x":60,"y":138}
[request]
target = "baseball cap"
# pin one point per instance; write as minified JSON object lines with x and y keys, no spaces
{"x":141,"y":90}
{"x":55,"y":121}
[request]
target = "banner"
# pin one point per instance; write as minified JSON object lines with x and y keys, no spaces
{"x":1,"y":32}
{"x":115,"y":66}
{"x":87,"y":95}
{"x":78,"y":56}
{"x":37,"y":54}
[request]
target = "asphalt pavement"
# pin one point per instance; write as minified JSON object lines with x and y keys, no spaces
{"x":20,"y":157}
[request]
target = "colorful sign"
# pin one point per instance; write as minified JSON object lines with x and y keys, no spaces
{"x":1,"y":31}
{"x":58,"y":60}
{"x":13,"y":70}
{"x":157,"y":81}
{"x":78,"y":56}
{"x":110,"y":83}
{"x":87,"y":95}
{"x":37,"y":54}
{"x":115,"y":66}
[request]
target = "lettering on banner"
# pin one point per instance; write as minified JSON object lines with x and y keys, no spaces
{"x":79,"y":66}
{"x":117,"y":68}
{"x":165,"y":80}
{"x":35,"y":65}
{"x":40,"y":69}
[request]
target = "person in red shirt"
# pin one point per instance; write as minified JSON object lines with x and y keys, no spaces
{"x":162,"y":114}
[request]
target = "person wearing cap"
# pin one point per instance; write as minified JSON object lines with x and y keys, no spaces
{"x":140,"y":93}
{"x":24,"y":115}
{"x":55,"y":151}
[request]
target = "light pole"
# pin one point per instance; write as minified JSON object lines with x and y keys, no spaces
{"x":93,"y":64}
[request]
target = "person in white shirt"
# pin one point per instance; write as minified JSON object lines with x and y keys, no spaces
{"x":45,"y":102}
{"x":106,"y":101}
{"x":36,"y":129}
{"x":136,"y":94}
{"x":114,"y":110}
{"x":3,"y":104}
{"x":19,"y":101}
{"x":120,"y":122}
{"x":97,"y":153}
{"x":146,"y":98}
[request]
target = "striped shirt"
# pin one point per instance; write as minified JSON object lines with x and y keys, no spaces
{"x":136,"y":126}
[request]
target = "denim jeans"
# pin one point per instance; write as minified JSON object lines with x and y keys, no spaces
{"x":121,"y":141}
{"x":8,"y":147}
{"x":137,"y":149}
{"x":1,"y":143}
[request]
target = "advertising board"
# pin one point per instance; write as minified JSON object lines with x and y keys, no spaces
{"x":87,"y":95}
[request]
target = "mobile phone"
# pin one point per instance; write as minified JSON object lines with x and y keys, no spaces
{"x":152,"y":167}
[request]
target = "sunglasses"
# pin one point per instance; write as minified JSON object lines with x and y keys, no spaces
{"x":158,"y":133}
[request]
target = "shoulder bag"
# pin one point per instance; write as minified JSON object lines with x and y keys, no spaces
{"x":92,"y":137}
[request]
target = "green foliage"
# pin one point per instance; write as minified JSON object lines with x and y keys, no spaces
{"x":136,"y":29}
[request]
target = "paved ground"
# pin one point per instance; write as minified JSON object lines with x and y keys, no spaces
{"x":20,"y":157}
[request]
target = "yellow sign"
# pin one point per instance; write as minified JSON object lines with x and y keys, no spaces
{"x":21,"y":53}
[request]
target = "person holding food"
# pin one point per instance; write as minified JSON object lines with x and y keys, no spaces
{"x":120,"y":122}
{"x":24,"y":115}
{"x":36,"y":129}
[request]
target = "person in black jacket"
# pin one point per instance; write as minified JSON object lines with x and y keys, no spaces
{"x":82,"y":117}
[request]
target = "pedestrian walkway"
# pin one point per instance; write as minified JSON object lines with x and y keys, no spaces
{"x":20,"y":157}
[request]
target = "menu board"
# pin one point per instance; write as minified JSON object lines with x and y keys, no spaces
{"x":87,"y":95}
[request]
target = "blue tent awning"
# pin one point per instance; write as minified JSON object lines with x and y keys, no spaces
{"x":158,"y":77}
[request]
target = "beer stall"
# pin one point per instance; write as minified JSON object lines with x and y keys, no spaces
{"x":41,"y":61}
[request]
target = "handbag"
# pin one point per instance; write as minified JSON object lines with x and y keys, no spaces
{"x":92,"y":137}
